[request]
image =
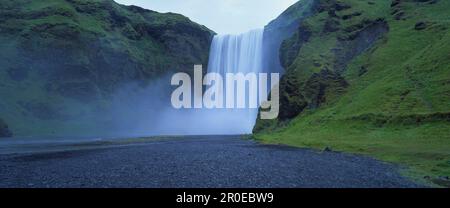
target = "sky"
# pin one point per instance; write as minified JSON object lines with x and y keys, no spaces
{"x":221,"y":16}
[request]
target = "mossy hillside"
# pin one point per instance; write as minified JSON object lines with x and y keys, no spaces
{"x":62,"y":59}
{"x":77,"y":30}
{"x":395,"y":103}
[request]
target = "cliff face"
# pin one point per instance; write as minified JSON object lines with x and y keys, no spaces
{"x":322,"y":59}
{"x":369,"y":77}
{"x":280,"y":29}
{"x":74,"y":52}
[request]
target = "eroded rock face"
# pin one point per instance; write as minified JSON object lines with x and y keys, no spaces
{"x":323,"y":85}
{"x":356,"y":40}
{"x":282,"y":28}
{"x":292,"y":100}
{"x":420,"y":26}
{"x":309,"y":83}
{"x":290,"y":47}
{"x":4,"y":130}
{"x":95,"y":46}
{"x":62,"y":60}
{"x":397,"y":7}
{"x":315,"y":89}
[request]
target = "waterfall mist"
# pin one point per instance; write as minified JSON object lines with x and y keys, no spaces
{"x":149,"y":111}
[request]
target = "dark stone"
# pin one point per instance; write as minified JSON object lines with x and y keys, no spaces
{"x":331,"y":25}
{"x":395,"y":11}
{"x":420,"y":26}
{"x":444,"y":182}
{"x":349,"y":16}
{"x":395,"y":3}
{"x":427,"y":1}
{"x":321,"y":85}
{"x":4,"y":130}
{"x":291,"y":46}
{"x":363,"y":70}
{"x":298,"y":94}
{"x":292,"y":102}
{"x":444,"y":178}
{"x":358,"y":39}
{"x":339,"y":6}
{"x":332,"y":5}
{"x":400,"y":15}
{"x":328,"y":149}
{"x":332,"y":13}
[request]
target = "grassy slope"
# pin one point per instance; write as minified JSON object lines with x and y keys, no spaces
{"x":397,"y":111}
{"x":62,"y":59}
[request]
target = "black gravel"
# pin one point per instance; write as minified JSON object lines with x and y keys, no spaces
{"x":198,"y":162}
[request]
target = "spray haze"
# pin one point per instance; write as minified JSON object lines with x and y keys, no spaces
{"x":148,"y":111}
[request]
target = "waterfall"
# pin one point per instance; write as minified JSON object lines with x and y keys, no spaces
{"x":152,"y":115}
{"x":237,"y":54}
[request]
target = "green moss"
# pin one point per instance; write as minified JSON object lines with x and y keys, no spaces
{"x":396,"y":104}
{"x":74,"y":54}
{"x":421,"y":149}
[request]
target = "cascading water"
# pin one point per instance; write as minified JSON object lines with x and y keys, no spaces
{"x":241,"y":53}
{"x":151,"y":115}
{"x":237,"y":53}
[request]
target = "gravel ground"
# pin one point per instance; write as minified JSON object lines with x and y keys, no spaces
{"x":197,"y":162}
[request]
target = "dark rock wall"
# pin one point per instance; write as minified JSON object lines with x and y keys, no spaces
{"x":281,"y":29}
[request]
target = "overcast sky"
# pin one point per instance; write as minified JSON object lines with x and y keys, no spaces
{"x":222,"y":16}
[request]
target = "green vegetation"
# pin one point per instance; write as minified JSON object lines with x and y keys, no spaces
{"x":61,"y":60}
{"x":373,"y":78}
